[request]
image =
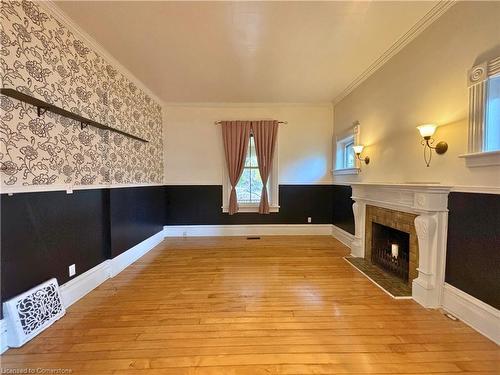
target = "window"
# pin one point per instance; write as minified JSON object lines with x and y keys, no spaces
{"x":345,"y":162}
{"x":249,"y":187}
{"x":349,"y":155}
{"x":492,"y":131}
{"x":484,"y":115}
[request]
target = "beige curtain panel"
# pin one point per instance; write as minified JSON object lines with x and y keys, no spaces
{"x":265,"y":134}
{"x":236,"y":135}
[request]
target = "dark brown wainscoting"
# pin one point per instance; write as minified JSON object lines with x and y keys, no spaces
{"x":473,"y":251}
{"x":43,"y":233}
{"x":342,"y":215}
{"x":201,"y":205}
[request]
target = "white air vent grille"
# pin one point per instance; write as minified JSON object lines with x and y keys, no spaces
{"x":31,"y":312}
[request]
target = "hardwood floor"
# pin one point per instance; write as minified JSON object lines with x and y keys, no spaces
{"x":279,"y":305}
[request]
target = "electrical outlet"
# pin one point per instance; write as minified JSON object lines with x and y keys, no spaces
{"x":309,"y":220}
{"x":72,"y":270}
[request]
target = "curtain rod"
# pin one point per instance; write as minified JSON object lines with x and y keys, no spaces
{"x":279,"y":122}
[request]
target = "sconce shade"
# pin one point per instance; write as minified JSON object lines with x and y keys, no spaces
{"x":358,"y":149}
{"x":427,"y":130}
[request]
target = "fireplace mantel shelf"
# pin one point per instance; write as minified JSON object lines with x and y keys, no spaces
{"x":405,"y":186}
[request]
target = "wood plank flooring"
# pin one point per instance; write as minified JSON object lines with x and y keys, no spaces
{"x":279,"y":305}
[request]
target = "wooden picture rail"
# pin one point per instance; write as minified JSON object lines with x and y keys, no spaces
{"x":42,"y":107}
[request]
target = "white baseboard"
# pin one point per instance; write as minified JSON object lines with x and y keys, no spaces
{"x":81,"y":285}
{"x":475,"y":313}
{"x":248,"y":230}
{"x":345,"y":237}
{"x":78,"y":287}
{"x":122,"y":261}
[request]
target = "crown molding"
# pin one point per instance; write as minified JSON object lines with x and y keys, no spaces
{"x":435,"y":13}
{"x":60,"y":15}
{"x":248,"y":104}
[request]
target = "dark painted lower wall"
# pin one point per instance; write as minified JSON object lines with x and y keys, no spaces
{"x":473,"y":250}
{"x":135,"y":214}
{"x":342,"y":215}
{"x":202,"y":205}
{"x":43,"y":233}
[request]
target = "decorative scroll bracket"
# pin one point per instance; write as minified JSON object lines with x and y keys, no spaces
{"x":41,"y":111}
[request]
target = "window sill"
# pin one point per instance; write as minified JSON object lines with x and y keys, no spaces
{"x":346,"y":171}
{"x":481,"y":159}
{"x":251,"y":208}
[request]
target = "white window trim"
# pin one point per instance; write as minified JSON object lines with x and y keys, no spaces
{"x":478,"y":78}
{"x":273,"y":188}
{"x":352,"y":135}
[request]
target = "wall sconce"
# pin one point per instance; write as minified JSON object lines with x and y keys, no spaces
{"x":358,"y":149}
{"x":427,"y":131}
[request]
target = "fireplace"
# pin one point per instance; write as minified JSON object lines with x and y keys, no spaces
{"x":391,"y":250}
{"x":385,"y":228}
{"x":420,"y":210}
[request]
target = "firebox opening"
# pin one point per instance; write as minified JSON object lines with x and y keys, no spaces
{"x":391,"y":250}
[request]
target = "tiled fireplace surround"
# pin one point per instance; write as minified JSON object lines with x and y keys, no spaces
{"x":401,"y":221}
{"x":421,"y":211}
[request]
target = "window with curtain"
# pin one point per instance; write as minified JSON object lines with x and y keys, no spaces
{"x":249,"y":188}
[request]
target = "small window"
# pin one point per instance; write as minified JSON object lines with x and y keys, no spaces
{"x":349,"y":155}
{"x":345,"y":160}
{"x":492,"y":128}
{"x":249,"y":188}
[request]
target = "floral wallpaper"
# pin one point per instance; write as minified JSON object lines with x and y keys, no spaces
{"x":41,"y":57}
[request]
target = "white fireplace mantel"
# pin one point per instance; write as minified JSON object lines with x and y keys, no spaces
{"x":430,"y":203}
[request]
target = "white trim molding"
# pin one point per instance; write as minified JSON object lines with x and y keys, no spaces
{"x":81,"y":285}
{"x":476,"y":189}
{"x":475,"y":313}
{"x":341,"y":235}
{"x":122,"y":261}
{"x":69,"y":189}
{"x":437,"y":11}
{"x":346,"y":171}
{"x":251,"y":208}
{"x":478,"y":78}
{"x":430,"y":202}
{"x":481,"y":159}
{"x":248,"y":230}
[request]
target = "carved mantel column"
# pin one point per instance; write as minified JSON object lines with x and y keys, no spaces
{"x":358,"y":244}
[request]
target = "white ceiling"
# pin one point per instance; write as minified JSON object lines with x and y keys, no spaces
{"x":246,"y":51}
